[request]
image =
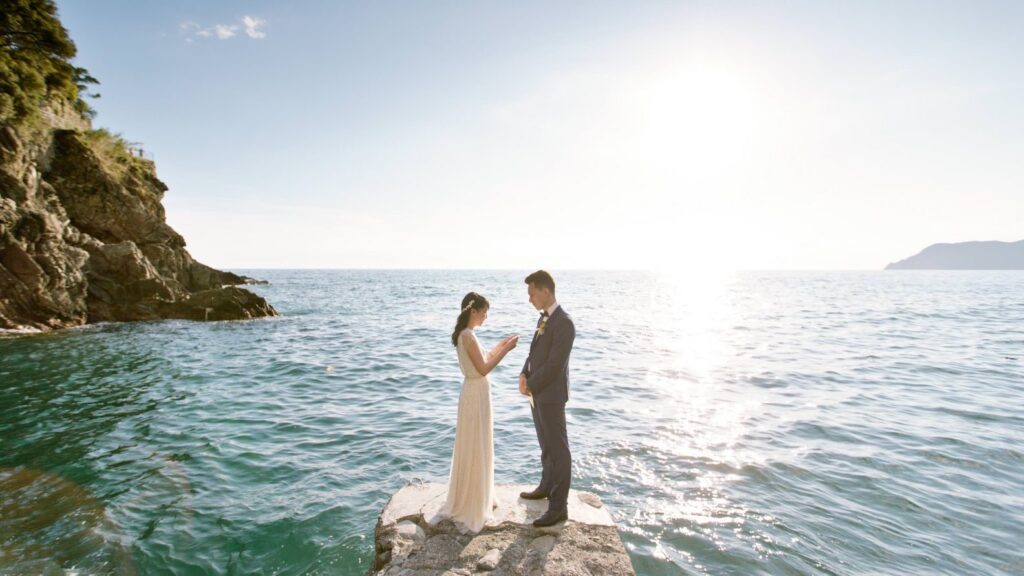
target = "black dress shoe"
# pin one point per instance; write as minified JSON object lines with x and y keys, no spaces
{"x":537,"y":494}
{"x":550,"y":518}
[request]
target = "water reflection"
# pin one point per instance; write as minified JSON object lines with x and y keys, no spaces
{"x":74,"y":410}
{"x":680,"y":465}
{"x":50,"y":524}
{"x":690,"y":314}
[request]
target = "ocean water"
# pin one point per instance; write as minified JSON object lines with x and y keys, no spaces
{"x":751,"y":423}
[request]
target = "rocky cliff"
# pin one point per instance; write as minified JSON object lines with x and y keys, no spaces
{"x":84,"y":237}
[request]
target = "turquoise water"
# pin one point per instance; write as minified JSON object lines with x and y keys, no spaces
{"x":773,"y":423}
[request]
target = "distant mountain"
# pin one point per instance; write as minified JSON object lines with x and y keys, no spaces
{"x":990,"y":255}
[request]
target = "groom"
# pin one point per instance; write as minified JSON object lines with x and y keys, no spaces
{"x":545,"y":377}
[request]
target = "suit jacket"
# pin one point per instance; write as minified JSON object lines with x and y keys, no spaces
{"x":547,"y":366}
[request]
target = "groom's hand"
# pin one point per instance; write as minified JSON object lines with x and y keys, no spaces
{"x":523,"y":389}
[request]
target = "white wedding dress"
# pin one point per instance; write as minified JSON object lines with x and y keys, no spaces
{"x":471,"y":482}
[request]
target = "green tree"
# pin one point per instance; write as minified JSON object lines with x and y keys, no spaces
{"x":35,"y":60}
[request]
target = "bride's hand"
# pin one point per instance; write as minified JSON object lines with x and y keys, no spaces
{"x":505,"y":346}
{"x":510,"y":342}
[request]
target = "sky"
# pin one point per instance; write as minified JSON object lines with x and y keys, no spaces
{"x":568,"y":135}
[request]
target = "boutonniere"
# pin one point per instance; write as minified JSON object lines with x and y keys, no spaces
{"x":543,"y":324}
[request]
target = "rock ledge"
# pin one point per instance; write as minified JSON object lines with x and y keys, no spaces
{"x":411,"y":539}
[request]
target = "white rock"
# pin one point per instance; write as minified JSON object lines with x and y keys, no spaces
{"x":490,"y":560}
{"x":427,"y":499}
{"x":543,"y":545}
{"x":590,"y":499}
{"x":410,"y":531}
{"x":415,"y":509}
{"x":412,"y":500}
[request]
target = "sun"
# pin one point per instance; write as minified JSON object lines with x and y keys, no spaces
{"x":701,"y":116}
{"x":700,"y":126}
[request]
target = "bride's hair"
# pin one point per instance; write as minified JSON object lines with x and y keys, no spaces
{"x":471,"y":301}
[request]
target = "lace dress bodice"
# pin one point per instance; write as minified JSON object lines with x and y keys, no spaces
{"x":465,"y":364}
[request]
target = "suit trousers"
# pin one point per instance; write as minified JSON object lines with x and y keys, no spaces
{"x":555,"y":458}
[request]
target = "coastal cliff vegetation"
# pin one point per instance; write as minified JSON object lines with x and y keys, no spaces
{"x":83,"y":232}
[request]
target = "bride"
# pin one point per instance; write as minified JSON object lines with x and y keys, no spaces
{"x":471,"y":483}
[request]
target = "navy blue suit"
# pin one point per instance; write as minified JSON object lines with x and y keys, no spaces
{"x":547,"y":376}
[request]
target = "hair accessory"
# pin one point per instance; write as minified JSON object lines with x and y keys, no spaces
{"x":470,"y":305}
